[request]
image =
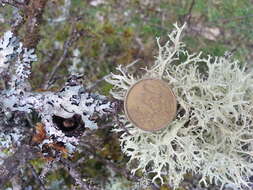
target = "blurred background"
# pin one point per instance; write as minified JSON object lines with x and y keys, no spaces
{"x":93,"y":37}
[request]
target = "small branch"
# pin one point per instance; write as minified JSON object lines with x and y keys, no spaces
{"x":188,"y":15}
{"x":67,"y":44}
{"x":74,"y":173}
{"x":191,"y":7}
{"x":37,"y":178}
{"x":33,"y":13}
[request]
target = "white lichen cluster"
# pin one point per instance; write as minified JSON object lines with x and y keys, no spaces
{"x":15,"y":63}
{"x":8,"y":141}
{"x":15,"y":58}
{"x":8,"y":46}
{"x":73,"y":100}
{"x":212,"y":134}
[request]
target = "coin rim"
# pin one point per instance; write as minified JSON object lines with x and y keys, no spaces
{"x":126,"y":111}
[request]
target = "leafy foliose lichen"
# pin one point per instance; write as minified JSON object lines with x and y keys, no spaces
{"x":73,"y":107}
{"x":212,"y":133}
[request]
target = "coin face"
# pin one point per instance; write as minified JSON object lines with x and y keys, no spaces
{"x":150,"y":104}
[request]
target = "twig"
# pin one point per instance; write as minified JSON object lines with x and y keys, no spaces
{"x":35,"y":175}
{"x":67,"y":44}
{"x":190,"y":11}
{"x":74,"y":173}
{"x":33,"y":12}
{"x":187,"y":17}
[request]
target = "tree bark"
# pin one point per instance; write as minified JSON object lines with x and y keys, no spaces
{"x":33,"y":13}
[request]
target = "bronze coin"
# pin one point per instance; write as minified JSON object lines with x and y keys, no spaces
{"x":150,"y":104}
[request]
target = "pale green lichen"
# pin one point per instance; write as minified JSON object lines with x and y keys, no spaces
{"x":212,"y":134}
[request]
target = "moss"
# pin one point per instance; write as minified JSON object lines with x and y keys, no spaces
{"x":62,"y":34}
{"x":38,"y":163}
{"x":215,"y":49}
{"x":105,"y":88}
